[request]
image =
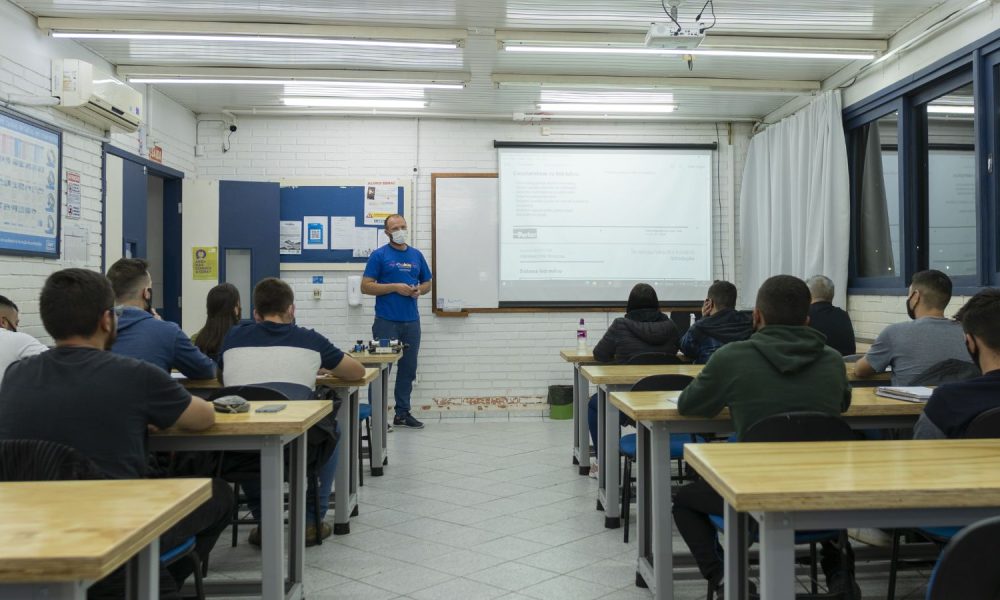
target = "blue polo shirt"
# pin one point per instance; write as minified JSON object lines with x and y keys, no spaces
{"x":389,"y":265}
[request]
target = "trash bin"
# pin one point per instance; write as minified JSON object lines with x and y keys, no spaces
{"x":560,"y":400}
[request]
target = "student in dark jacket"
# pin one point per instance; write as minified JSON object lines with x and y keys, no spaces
{"x":721,"y":324}
{"x":643,"y":329}
{"x":830,"y":320}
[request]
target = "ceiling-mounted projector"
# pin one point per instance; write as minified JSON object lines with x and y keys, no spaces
{"x":666,"y":35}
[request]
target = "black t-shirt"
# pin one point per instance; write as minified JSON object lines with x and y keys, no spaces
{"x":97,"y":402}
{"x":954,"y":405}
{"x":835,"y":324}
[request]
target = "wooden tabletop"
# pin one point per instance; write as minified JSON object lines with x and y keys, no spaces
{"x":852,"y":475}
{"x":330,"y":380}
{"x":662,"y":406}
{"x":574,"y":356}
{"x":53,"y":531}
{"x":297,"y":417}
{"x":629,"y":374}
{"x":368,"y":358}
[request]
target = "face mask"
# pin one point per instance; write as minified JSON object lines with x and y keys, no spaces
{"x":149,"y":301}
{"x":974,"y":354}
{"x":399,"y":236}
{"x":910,"y":310}
{"x":10,"y":325}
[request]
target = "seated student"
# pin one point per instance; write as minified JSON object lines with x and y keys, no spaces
{"x":141,"y":332}
{"x":831,"y":321}
{"x":14,"y":345}
{"x":275,"y":351}
{"x":103,"y":404}
{"x":721,"y":323}
{"x":928,"y":338}
{"x":643,"y":329}
{"x":953,"y":406}
{"x":223,"y":310}
{"x":784,"y":366}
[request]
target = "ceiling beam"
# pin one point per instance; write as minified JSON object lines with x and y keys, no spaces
{"x":306,"y":74}
{"x":712,"y":40}
{"x":750,"y":86}
{"x":423,"y":34}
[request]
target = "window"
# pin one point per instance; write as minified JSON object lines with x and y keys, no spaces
{"x":876,"y":148}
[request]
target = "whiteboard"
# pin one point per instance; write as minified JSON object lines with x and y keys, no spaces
{"x":465,"y":242}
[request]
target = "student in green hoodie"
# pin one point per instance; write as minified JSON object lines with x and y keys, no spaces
{"x":784,"y":366}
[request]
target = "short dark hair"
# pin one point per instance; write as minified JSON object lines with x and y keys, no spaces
{"x":934,"y":286}
{"x":73,"y":301}
{"x":272,"y":296}
{"x":642,"y":296}
{"x":722,"y":294}
{"x":980,"y":317}
{"x":8,"y":303}
{"x":128,"y":277}
{"x":784,"y":300}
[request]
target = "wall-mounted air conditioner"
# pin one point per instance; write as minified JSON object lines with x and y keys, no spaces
{"x":88,"y":93}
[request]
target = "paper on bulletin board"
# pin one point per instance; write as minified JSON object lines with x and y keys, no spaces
{"x":290,"y":240}
{"x":205,"y":263}
{"x":75,"y":242}
{"x":315,"y":231}
{"x":341,"y":233}
{"x":365,"y":241}
{"x":381,"y":200}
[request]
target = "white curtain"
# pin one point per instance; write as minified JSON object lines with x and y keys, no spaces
{"x":795,"y":204}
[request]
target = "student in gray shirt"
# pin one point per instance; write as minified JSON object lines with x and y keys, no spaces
{"x":914,"y":346}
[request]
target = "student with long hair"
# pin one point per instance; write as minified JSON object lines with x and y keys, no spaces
{"x":224,"y":309}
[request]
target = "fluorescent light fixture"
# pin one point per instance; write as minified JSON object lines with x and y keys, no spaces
{"x":409,"y":85}
{"x":593,"y":117}
{"x":606,"y":96}
{"x":949,"y":109}
{"x":258,"y":39}
{"x":606,"y":108}
{"x":353,"y":103}
{"x":810,"y":54}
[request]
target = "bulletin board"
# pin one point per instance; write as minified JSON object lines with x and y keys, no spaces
{"x":335,"y":220}
{"x":30,"y":186}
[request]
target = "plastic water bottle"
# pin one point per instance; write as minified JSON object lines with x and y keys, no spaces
{"x":581,"y":337}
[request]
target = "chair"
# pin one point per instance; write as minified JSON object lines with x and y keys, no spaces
{"x":627,"y":443}
{"x":967,"y":566}
{"x":39,"y":460}
{"x":986,"y":425}
{"x":803,"y":426}
{"x":271,"y":391}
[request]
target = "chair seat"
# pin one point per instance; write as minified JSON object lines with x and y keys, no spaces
{"x":627,"y":445}
{"x":173,"y":553}
{"x":364,"y":411}
{"x":801,"y":537}
{"x":940,"y":533}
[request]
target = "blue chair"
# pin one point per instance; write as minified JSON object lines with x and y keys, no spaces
{"x":186,"y":550}
{"x":967,"y":566}
{"x":627,"y":444}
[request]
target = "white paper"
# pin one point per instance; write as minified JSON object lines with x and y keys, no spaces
{"x":314,"y":233}
{"x":75,"y":242}
{"x":381,"y":200}
{"x":290,"y":237}
{"x":341,"y":233}
{"x":366,"y":240}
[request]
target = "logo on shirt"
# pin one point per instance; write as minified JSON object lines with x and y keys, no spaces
{"x":401,"y":266}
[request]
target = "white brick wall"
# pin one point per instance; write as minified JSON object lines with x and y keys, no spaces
{"x":871,"y":314}
{"x":484,"y":354}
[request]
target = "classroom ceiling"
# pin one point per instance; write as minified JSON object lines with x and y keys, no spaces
{"x":708,"y":88}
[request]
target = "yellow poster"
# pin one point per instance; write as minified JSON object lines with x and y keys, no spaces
{"x":206,"y":263}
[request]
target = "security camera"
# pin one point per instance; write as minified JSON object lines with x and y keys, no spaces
{"x":232,"y":128}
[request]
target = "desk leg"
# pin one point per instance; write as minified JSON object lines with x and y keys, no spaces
{"x":612,"y":463}
{"x":581,"y":433}
{"x":644,"y":506}
{"x":347,"y":467}
{"x":735,"y":554}
{"x":601,"y":454}
{"x":272,"y":526}
{"x":142,"y":573}
{"x":296,"y":511}
{"x":661,"y":511}
{"x":379,"y":404}
{"x":777,"y":557}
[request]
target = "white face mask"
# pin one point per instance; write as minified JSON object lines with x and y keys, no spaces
{"x":399,"y":236}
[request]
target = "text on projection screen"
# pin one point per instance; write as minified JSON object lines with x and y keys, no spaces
{"x":586,"y":224}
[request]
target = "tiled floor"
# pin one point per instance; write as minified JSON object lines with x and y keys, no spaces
{"x":481,"y":509}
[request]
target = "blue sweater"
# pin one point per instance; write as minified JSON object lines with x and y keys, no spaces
{"x":161,"y":343}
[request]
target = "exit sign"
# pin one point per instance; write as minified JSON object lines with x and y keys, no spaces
{"x":156,"y":154}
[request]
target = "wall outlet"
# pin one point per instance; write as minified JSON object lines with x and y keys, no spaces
{"x":317,"y":293}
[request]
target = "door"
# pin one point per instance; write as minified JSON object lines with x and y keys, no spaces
{"x":249,"y":213}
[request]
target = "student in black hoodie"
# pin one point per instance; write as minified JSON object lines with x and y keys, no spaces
{"x":720,"y":324}
{"x":643,"y":329}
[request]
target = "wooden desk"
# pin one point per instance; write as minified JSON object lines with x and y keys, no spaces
{"x":657,"y":417}
{"x":268,"y":434}
{"x":835,"y":485}
{"x":380,"y":412}
{"x":609,"y":378}
{"x":581,"y":395}
{"x":59,"y":537}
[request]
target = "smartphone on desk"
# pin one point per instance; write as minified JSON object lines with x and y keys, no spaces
{"x":271,"y":408}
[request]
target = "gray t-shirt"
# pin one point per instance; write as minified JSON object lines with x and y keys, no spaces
{"x":913,"y":347}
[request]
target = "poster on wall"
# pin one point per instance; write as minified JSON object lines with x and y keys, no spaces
{"x":290,"y":241}
{"x":30,"y":186}
{"x":205,"y":262}
{"x":74,"y":207}
{"x":315,"y":233}
{"x":381,"y":200}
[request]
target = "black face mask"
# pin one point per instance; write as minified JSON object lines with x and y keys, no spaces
{"x":149,"y":302}
{"x":13,"y":328}
{"x":975,"y":356}
{"x":909,"y":310}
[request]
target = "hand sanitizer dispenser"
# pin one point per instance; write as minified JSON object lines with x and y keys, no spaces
{"x":354,"y":290}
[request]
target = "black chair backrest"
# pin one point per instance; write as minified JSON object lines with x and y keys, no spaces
{"x":653,"y":358}
{"x":947,"y":371}
{"x":985,"y":425}
{"x":799,"y":427}
{"x":662,"y":383}
{"x":967,"y":566}
{"x":250,"y":392}
{"x":38,"y":460}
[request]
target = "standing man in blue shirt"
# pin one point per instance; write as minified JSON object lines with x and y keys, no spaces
{"x":397,"y":274}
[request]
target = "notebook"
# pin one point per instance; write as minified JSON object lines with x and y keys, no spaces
{"x":909,"y":394}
